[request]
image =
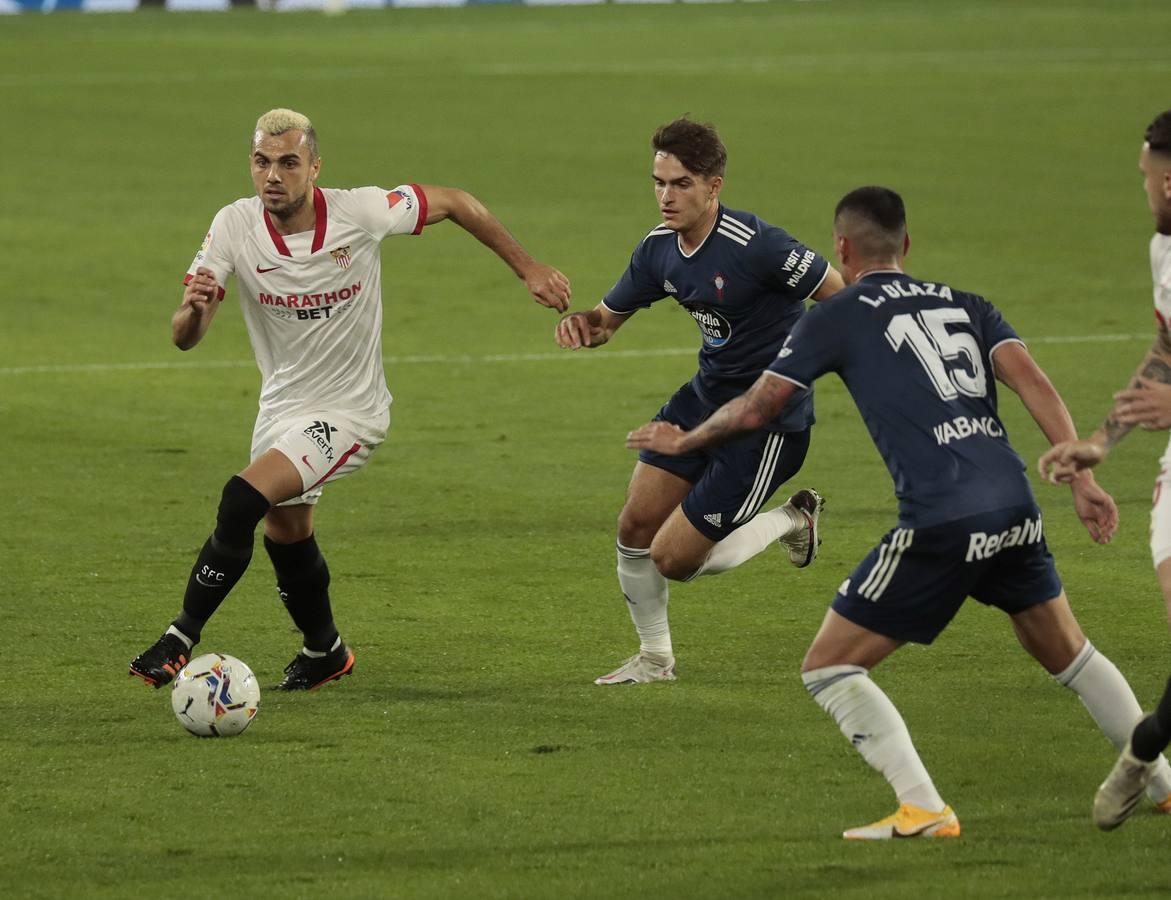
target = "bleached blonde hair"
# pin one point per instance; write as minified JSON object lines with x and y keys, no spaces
{"x":278,"y":121}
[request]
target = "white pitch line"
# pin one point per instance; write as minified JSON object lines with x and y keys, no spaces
{"x":1089,"y":339}
{"x":450,"y":359}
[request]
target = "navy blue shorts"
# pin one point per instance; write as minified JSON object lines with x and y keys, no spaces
{"x":914,"y":582}
{"x":729,"y":483}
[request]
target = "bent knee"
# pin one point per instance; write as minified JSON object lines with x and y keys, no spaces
{"x":672,"y":565}
{"x":289,"y":524}
{"x":636,"y":529}
{"x":285,"y":532}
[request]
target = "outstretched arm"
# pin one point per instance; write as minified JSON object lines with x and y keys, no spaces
{"x":748,"y":412}
{"x":547,"y":285}
{"x":588,"y":329}
{"x":1130,"y":406}
{"x":1016,"y":368}
{"x":1146,"y":402}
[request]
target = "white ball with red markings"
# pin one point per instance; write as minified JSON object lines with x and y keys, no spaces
{"x":215,"y":695}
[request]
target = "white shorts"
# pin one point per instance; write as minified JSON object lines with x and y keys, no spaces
{"x":1161,"y":517}
{"x":324,"y":446}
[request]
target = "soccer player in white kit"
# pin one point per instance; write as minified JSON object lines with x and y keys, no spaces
{"x":307,"y":267}
{"x":1145,"y":402}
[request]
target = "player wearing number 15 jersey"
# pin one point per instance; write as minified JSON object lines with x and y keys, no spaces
{"x":307,"y":269}
{"x":919,"y":358}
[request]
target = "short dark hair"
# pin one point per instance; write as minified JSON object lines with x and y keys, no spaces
{"x":1158,"y":135}
{"x":875,"y":218}
{"x":695,"y":144}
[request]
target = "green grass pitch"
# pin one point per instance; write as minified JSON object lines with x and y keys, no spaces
{"x":470,"y":756}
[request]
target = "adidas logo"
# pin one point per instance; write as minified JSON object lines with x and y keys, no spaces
{"x":669,"y":288}
{"x":713,"y":519}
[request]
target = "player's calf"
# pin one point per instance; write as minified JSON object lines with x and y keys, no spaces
{"x":225,"y":556}
{"x":222,"y":560}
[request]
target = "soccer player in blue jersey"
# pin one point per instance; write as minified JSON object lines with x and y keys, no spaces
{"x":919,"y":359}
{"x":1145,"y":402}
{"x":745,"y":282}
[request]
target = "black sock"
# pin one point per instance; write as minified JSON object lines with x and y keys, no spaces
{"x":302,"y":578}
{"x":225,"y":556}
{"x":1153,"y":734}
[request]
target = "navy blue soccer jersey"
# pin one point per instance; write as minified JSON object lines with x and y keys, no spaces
{"x":916,"y":357}
{"x":745,"y":286}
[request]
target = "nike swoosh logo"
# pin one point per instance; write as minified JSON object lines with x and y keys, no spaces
{"x":208,"y":584}
{"x":262,"y":271}
{"x":305,"y":459}
{"x":897,"y":832}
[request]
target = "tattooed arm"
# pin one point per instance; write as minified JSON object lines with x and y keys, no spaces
{"x":1145,"y":402}
{"x":748,"y":412}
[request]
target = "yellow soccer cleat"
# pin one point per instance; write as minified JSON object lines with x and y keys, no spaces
{"x":908,"y":822}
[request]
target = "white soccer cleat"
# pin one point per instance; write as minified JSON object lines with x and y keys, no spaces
{"x":1122,"y":790}
{"x":641,"y":669}
{"x":908,"y":822}
{"x":802,"y":543}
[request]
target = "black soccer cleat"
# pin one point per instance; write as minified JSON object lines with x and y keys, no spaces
{"x":161,"y":662}
{"x":307,"y":673}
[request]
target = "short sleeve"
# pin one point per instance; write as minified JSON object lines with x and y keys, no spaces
{"x":215,"y":252}
{"x":381,"y":213}
{"x":790,"y":266}
{"x":1161,"y":277}
{"x":811,"y":349}
{"x":992,"y":325}
{"x":637,"y":289}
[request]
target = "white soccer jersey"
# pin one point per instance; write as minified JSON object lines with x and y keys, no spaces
{"x":1161,"y":276}
{"x":313,"y":301}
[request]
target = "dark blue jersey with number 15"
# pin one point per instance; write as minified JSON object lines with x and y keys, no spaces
{"x":745,"y":286}
{"x":916,"y":358}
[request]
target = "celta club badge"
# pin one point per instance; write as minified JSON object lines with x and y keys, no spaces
{"x":341,"y":256}
{"x":720,"y":283}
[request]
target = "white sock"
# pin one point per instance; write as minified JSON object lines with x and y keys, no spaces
{"x":646,"y":598}
{"x":181,"y":636}
{"x":875,"y":728}
{"x":1112,"y":705}
{"x":749,"y":539}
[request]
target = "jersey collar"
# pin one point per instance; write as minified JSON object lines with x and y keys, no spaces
{"x":318,"y":226}
{"x":707,"y":237}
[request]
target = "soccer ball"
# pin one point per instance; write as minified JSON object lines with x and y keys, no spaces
{"x":215,"y":695}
